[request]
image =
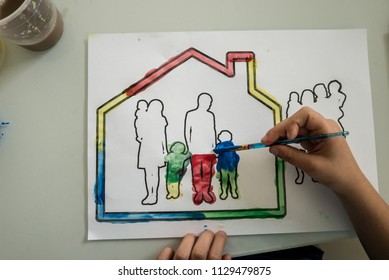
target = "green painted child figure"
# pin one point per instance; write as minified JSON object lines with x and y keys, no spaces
{"x":177,"y":162}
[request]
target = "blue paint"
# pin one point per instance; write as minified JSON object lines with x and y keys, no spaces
{"x":136,"y":217}
{"x":100,"y":184}
{"x":227,"y":160}
{"x":3,"y":124}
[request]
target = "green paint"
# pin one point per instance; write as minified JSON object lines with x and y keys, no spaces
{"x":228,"y":183}
{"x":177,"y":162}
{"x":246,"y":214}
{"x":280,"y":185}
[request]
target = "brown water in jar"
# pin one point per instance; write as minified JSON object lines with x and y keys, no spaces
{"x":49,"y":37}
{"x":7,"y":7}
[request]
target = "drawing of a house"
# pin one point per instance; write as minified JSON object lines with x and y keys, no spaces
{"x":259,"y":99}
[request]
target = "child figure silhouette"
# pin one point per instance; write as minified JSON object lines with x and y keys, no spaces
{"x":177,"y":162}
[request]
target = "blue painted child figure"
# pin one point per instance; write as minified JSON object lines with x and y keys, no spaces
{"x":227,"y":167}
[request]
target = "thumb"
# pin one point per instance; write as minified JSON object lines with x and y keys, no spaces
{"x":292,"y":155}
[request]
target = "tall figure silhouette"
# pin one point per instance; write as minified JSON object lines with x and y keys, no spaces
{"x":200,"y":138}
{"x":150,"y":127}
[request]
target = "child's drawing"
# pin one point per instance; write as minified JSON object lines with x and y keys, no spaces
{"x":150,"y":125}
{"x":327,"y":100}
{"x":159,"y":103}
{"x":177,"y":161}
{"x":227,"y":167}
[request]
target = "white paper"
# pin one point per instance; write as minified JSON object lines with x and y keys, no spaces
{"x":143,"y":91}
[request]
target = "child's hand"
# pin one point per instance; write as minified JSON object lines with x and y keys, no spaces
{"x":328,"y":161}
{"x":208,"y":246}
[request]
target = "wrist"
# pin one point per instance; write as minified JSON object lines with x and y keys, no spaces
{"x":351,"y":187}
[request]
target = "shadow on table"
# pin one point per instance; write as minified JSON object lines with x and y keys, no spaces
{"x":301,"y":253}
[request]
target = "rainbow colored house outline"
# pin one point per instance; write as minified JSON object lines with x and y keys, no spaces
{"x":154,"y":76}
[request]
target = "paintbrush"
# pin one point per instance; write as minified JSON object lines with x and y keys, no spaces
{"x":280,"y":142}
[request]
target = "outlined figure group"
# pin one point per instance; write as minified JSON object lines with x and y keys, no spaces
{"x":201,"y":137}
{"x":320,"y":97}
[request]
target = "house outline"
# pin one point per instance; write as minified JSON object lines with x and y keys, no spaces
{"x":153,"y":76}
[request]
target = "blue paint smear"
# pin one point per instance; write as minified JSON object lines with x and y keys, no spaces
{"x":227,"y":160}
{"x":1,"y":129}
{"x":100,"y":184}
{"x":125,"y":218}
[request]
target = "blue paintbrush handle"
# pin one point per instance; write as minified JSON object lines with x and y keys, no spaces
{"x":312,"y":138}
{"x":281,"y":142}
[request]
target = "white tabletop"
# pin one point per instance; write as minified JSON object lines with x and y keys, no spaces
{"x":43,"y":154}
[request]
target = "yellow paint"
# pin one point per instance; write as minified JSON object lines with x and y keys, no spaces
{"x":260,"y":94}
{"x":101,"y":116}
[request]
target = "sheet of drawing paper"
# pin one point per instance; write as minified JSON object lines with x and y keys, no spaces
{"x":158,"y":103}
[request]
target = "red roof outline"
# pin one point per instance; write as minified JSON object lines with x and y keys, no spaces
{"x":156,"y":74}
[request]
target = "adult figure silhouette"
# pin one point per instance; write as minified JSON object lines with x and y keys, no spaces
{"x":150,"y":126}
{"x":200,"y":138}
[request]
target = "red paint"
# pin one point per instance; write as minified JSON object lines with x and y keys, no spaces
{"x":155,"y":75}
{"x":203,"y":169}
